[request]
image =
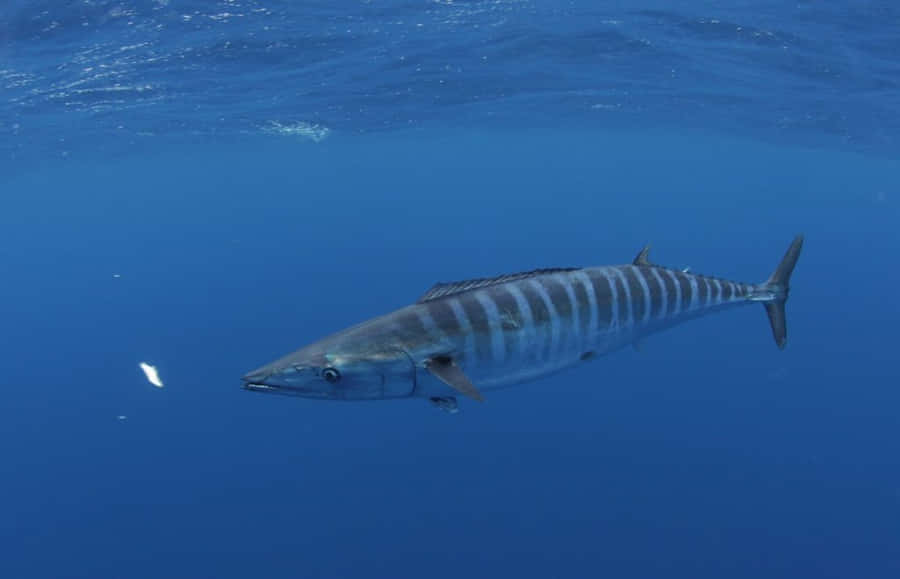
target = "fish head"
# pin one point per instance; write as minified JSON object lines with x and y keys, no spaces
{"x":337,"y":372}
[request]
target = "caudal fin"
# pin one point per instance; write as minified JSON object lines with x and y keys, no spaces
{"x":774,"y":292}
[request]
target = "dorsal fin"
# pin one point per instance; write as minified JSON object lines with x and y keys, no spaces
{"x":443,"y":289}
{"x":643,"y":258}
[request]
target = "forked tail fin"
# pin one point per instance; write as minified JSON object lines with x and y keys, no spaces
{"x":774,"y":292}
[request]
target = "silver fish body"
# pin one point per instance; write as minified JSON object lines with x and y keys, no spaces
{"x":484,"y":334}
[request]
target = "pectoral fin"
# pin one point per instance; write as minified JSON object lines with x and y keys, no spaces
{"x":446,"y":370}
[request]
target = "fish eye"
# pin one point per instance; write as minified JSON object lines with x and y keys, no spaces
{"x":331,"y":374}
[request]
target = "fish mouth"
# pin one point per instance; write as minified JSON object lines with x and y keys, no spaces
{"x":269,"y":380}
{"x":257,"y":376}
{"x":257,"y":387}
{"x":256,"y":382}
{"x":297,"y":391}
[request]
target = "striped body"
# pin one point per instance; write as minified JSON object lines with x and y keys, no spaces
{"x":478,"y":334}
{"x":519,"y":330}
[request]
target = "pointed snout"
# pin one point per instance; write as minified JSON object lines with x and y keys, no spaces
{"x":257,"y":379}
{"x":260,"y":380}
{"x":275,"y":377}
{"x":258,"y":375}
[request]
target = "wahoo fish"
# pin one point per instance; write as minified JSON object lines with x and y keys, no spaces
{"x":469,"y":337}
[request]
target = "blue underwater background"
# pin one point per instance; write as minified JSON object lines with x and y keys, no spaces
{"x":205,"y":186}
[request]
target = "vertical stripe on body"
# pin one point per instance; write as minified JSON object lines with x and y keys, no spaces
{"x":684,"y":286}
{"x":434,"y":333}
{"x":552,"y":316}
{"x":465,"y":328}
{"x":541,"y":317}
{"x":702,"y":293}
{"x":713,"y":292}
{"x":562,"y":308}
{"x":511,"y":319}
{"x":481,"y":327}
{"x":573,"y":324}
{"x":410,"y":328}
{"x":627,"y":302}
{"x":526,"y":331}
{"x":718,"y":293}
{"x":495,"y":329}
{"x":607,"y":300}
{"x":663,"y":294}
{"x":727,"y":291}
{"x":635,"y":293}
{"x":443,"y":316}
{"x":584,"y":291}
{"x":644,"y":299}
{"x":676,"y":292}
{"x":693,"y":291}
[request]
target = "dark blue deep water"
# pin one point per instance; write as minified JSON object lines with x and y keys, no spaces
{"x":205,"y":186}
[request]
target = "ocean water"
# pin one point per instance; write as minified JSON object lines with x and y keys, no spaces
{"x":205,"y":186}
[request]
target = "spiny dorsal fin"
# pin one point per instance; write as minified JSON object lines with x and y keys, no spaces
{"x":643,"y":258}
{"x":440,"y":290}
